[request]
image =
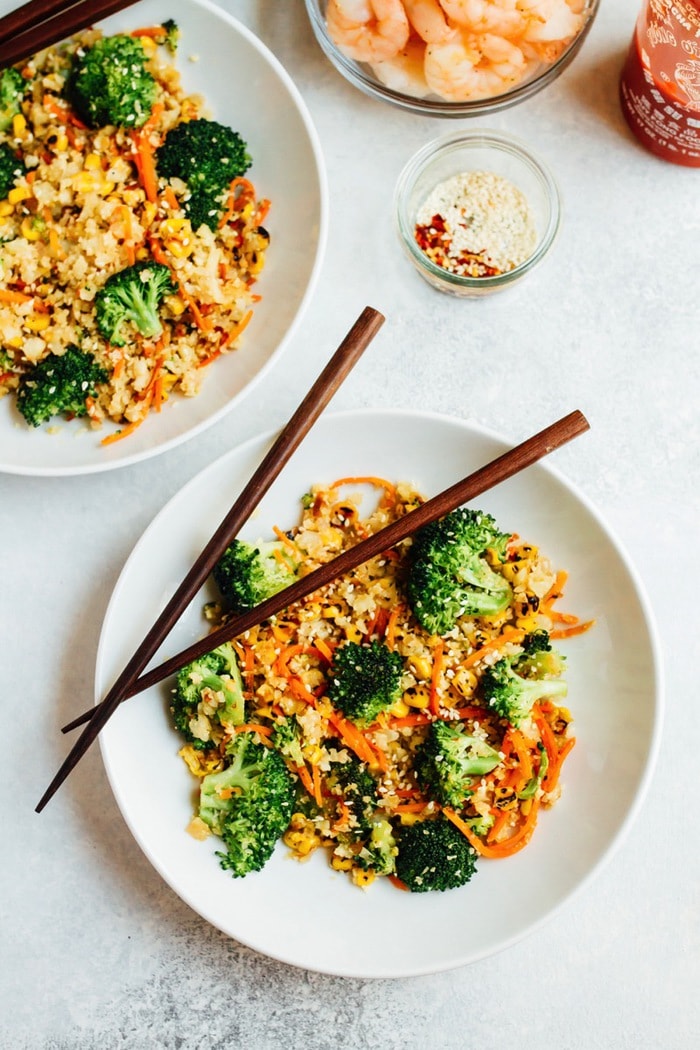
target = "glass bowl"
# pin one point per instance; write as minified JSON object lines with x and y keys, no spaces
{"x":467,"y":152}
{"x":399,"y":91}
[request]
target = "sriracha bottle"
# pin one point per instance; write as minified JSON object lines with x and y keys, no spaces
{"x":660,"y":82}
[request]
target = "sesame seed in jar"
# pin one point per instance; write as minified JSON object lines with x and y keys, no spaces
{"x":476,"y":224}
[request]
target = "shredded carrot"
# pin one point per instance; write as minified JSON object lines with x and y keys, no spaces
{"x":240,"y":188}
{"x":118,"y":435}
{"x":65,"y":115}
{"x":316,"y":780}
{"x":378,"y":624}
{"x":390,"y":636}
{"x":254,"y":727}
{"x":396,"y":881}
{"x":523,"y":772}
{"x":125,"y":213}
{"x":557,"y":588}
{"x":263,"y":209}
{"x":154,"y":32}
{"x":370,"y":479}
{"x":517,"y":841}
{"x":299,"y":690}
{"x":501,"y":819}
{"x":8,"y":296}
{"x":286,"y":539}
{"x":233,"y":333}
{"x":408,"y":721}
{"x":435,"y":676}
{"x":410,"y":807}
{"x":324,"y":649}
{"x":508,"y":634}
{"x":353,"y":738}
{"x":569,"y":632}
{"x":170,"y":198}
{"x":562,"y":617}
{"x":305,"y":778}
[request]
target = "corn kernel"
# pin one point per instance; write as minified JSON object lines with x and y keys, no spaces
{"x":400,"y":709}
{"x":175,"y":304}
{"x":314,"y":754}
{"x":37,"y":322}
{"x":408,"y":818}
{"x":420,"y":699}
{"x":256,"y":263}
{"x":528,"y":623}
{"x":362,"y":878}
{"x":105,"y":188}
{"x":16,"y":342}
{"x":6,"y":209}
{"x":29,"y":230}
{"x":352,"y":633}
{"x":142,"y":254}
{"x":171,"y":226}
{"x":19,"y":125}
{"x":178,"y":249}
{"x":61,"y":144}
{"x":18,"y":194}
{"x":421,"y":665}
{"x":148,"y":43}
{"x":341,"y":863}
{"x":149,"y":213}
{"x":85,"y":182}
{"x":92,"y":162}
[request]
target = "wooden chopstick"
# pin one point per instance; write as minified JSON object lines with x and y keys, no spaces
{"x":501,"y":468}
{"x":41,"y":23}
{"x":345,"y":357}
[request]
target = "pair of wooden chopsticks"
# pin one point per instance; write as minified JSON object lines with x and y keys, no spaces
{"x":131,"y":681}
{"x":41,"y":23}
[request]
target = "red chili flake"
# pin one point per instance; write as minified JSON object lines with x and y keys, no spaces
{"x":435,"y":241}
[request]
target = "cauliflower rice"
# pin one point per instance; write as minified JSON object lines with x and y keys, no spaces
{"x":285,"y":666}
{"x":81,"y":213}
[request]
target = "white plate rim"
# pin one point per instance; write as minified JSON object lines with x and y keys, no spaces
{"x":259,"y":443}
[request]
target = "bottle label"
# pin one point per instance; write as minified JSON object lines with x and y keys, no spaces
{"x":660,"y":83}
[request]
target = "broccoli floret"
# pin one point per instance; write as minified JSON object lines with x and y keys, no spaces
{"x":514,"y":683}
{"x":172,"y":35}
{"x":448,"y":760}
{"x":208,"y":696}
{"x":448,"y":574}
{"x":12,"y":86}
{"x":59,"y":385}
{"x":286,"y":737}
{"x":207,"y":156}
{"x":369,"y":837}
{"x":247,"y":573}
{"x":248,"y":804}
{"x":11,"y":168}
{"x":434,"y":855}
{"x":364,"y":680}
{"x":133,"y":296}
{"x":109,"y":83}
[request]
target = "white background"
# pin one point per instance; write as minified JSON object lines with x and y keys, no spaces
{"x":97,"y":951}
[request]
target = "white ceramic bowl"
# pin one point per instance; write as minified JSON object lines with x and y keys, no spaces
{"x":247,"y":88}
{"x":307,"y":914}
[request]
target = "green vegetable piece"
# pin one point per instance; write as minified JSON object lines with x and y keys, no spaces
{"x":248,"y":804}
{"x":132,"y":297}
{"x":109,"y":83}
{"x":364,"y":681}
{"x":59,"y":384}
{"x":434,"y":855}
{"x":449,"y":575}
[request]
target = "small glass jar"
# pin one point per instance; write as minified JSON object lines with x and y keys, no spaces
{"x":476,"y":151}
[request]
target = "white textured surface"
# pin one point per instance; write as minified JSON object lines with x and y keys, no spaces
{"x":96,"y":950}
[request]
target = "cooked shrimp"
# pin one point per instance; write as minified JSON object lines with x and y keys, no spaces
{"x":368,"y":30}
{"x":428,"y":19}
{"x":467,"y":68}
{"x":405,"y":72}
{"x":549,"y":21}
{"x":501,"y":17}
